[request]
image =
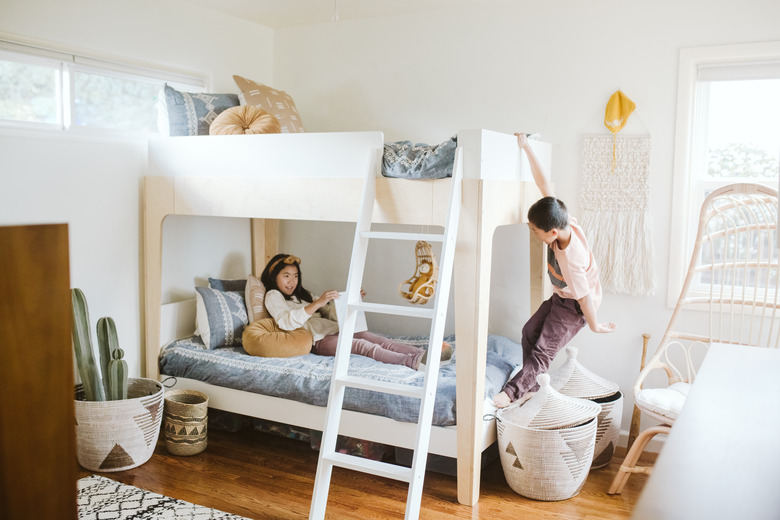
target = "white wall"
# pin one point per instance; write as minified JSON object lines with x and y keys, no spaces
{"x":529,"y":65}
{"x":535,"y":66}
{"x":94,"y":185}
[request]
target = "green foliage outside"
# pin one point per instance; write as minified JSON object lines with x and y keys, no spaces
{"x":30,"y":93}
{"x":109,"y":102}
{"x":742,"y":160}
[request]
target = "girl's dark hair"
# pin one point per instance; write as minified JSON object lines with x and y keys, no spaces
{"x":549,"y":213}
{"x":272,"y":270}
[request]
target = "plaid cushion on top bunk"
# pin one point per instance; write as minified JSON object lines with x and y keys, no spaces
{"x":307,"y":378}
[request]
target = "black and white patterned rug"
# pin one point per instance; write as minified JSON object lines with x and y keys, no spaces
{"x":100,"y":498}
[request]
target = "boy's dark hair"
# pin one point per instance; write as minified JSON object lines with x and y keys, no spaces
{"x":272,"y":270}
{"x":549,"y":213}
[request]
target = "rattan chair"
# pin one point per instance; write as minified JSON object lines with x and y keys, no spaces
{"x":729,"y":296}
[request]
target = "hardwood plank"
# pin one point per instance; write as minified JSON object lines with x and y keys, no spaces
{"x":37,"y":440}
{"x":264,"y":476}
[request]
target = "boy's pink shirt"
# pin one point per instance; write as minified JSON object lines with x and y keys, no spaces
{"x":578,"y":267}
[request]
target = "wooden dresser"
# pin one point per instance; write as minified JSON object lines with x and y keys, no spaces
{"x":37,"y":432}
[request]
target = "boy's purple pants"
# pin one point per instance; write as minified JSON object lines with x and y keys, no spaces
{"x":551,"y":327}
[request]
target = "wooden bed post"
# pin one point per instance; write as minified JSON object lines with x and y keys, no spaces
{"x":158,"y":202}
{"x":540,"y":288}
{"x":265,"y":242}
{"x":480,"y":216}
{"x":472,"y":296}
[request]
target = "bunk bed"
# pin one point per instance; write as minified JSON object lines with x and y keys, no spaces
{"x":268,"y":178}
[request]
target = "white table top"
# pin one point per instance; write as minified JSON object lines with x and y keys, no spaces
{"x":722,"y":457}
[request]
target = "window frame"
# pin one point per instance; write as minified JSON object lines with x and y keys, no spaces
{"x":685,"y":210}
{"x":68,"y":65}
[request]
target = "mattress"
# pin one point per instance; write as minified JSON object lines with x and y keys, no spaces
{"x":307,"y":378}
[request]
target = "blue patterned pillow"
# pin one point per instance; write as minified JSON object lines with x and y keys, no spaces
{"x":227,"y":285}
{"x":185,"y":113}
{"x":220,"y":317}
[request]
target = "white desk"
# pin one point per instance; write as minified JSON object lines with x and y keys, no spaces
{"x":722,"y":457}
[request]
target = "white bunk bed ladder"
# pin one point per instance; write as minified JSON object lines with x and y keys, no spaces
{"x":341,"y":380}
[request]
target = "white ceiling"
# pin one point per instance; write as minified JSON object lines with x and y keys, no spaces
{"x":287,"y":13}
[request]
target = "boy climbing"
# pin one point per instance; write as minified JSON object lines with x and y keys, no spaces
{"x":576,"y":288}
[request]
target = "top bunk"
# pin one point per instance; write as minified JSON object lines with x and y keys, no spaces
{"x":288,"y":176}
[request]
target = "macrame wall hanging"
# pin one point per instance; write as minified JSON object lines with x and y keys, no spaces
{"x":615,"y":207}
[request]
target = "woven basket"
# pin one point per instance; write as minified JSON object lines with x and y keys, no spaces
{"x":546,"y":445}
{"x":119,"y":435}
{"x":186,"y":421}
{"x":608,"y":429}
{"x":574,"y":380}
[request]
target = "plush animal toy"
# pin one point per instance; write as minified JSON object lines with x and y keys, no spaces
{"x":422,"y":285}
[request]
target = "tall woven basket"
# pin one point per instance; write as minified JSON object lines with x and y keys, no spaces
{"x":546,"y":445}
{"x":119,"y":435}
{"x":186,"y":421}
{"x":574,"y":380}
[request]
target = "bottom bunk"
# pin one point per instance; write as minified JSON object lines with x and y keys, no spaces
{"x":294,"y":391}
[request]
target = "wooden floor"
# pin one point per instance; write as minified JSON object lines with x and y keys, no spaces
{"x":265,"y":476}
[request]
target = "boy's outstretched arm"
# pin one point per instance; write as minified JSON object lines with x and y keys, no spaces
{"x":542,"y":182}
{"x":589,"y":311}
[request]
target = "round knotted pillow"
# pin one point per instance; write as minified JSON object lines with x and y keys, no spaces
{"x":264,"y":338}
{"x":246,"y":119}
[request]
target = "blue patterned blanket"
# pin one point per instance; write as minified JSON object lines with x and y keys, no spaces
{"x":307,"y":378}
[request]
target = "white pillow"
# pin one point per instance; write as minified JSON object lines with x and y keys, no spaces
{"x":664,"y":401}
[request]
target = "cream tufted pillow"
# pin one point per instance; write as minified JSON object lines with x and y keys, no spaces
{"x":247,"y":119}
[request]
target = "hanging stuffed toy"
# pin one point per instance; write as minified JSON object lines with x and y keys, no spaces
{"x":421,"y":287}
{"x":619,"y":107}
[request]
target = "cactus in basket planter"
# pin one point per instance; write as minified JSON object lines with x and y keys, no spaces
{"x":82,"y":344}
{"x":107,"y":343}
{"x":108,"y":379}
{"x":117,"y":376}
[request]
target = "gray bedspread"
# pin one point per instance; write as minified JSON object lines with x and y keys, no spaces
{"x":405,"y":160}
{"x":307,"y":378}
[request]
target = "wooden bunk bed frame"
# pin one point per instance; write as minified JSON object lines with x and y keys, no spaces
{"x":268,"y":178}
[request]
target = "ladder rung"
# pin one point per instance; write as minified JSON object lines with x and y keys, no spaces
{"x":374,"y":467}
{"x":381,"y":386}
{"x":390,"y":235}
{"x":398,"y":310}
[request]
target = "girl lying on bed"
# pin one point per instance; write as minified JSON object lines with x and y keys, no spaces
{"x":293,"y":308}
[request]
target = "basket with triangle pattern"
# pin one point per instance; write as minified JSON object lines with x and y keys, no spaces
{"x":574,"y":380}
{"x":186,"y":421}
{"x":546,"y":444}
{"x":119,"y":435}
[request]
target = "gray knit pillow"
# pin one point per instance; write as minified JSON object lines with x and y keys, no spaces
{"x":185,"y":113}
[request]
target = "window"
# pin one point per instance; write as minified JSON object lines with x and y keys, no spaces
{"x":30,"y":90}
{"x":50,"y":90}
{"x":728,"y":130}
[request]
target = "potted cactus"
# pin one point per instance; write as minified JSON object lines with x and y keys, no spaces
{"x":117,"y":418}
